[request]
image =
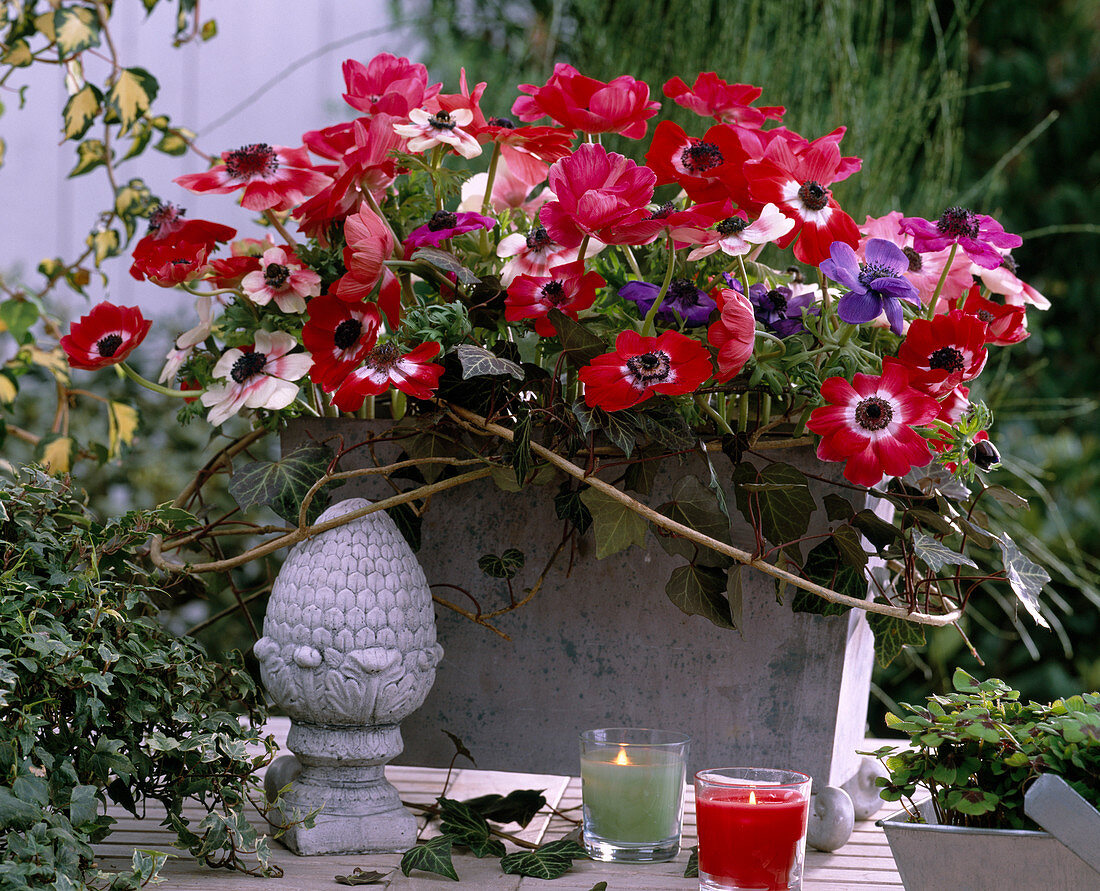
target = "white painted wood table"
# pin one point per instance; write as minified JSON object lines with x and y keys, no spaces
{"x":864,"y":864}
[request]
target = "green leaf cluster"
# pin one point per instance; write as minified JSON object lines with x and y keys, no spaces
{"x":100,"y":703}
{"x":978,"y":749}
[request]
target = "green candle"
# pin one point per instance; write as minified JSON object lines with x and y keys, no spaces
{"x":635,"y":797}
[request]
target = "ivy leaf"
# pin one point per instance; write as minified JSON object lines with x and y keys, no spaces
{"x":850,"y":546}
{"x":477,"y":362}
{"x":520,"y":452}
{"x":518,"y":806}
{"x":446,"y":262}
{"x":409,"y":524}
{"x":700,"y":591}
{"x":131,"y":95}
{"x":569,"y":506}
{"x":615,"y":525}
{"x":76,"y":28}
{"x":460,"y":748}
{"x":83,"y":805}
{"x":17,"y":54}
{"x":891,"y":634}
{"x":55,"y":452}
{"x":694,"y":505}
{"x":80,"y":111}
{"x":734,"y":595}
{"x":837,"y":507}
{"x":784,"y":500}
{"x":825,"y":566}
{"x":468,"y":829}
{"x":875,"y":529}
{"x":714,"y":483}
{"x":547,"y":862}
{"x":105,"y":243}
{"x":18,"y":316}
{"x":579,"y":345}
{"x":433,"y":855}
{"x":281,"y":485}
{"x":1006,"y":497}
{"x":1026,"y":578}
{"x":664,"y":425}
{"x":359,"y":877}
{"x":936,"y":554}
{"x":122,"y":421}
{"x":691,"y":871}
{"x":619,"y":427}
{"x":90,"y":154}
{"x":174,"y":141}
{"x":16,"y":813}
{"x":503,"y":567}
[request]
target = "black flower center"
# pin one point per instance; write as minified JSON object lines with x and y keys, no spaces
{"x":442,"y":219}
{"x":986,"y":316}
{"x":813,"y":195}
{"x":868,"y":272}
{"x":276,"y":275}
{"x":249,"y":365}
{"x":683,"y":292}
{"x":164,"y":215}
{"x":538,"y":240}
{"x":663,"y":212}
{"x":731,"y":225}
{"x":347,"y":333}
{"x":778,"y":300}
{"x":650,"y":368}
{"x":958,"y":222}
{"x":554,"y":292}
{"x":108,"y":346}
{"x":948,"y":359}
{"x":257,"y":159}
{"x":701,"y":157}
{"x":441,"y":120}
{"x":506,"y":123}
{"x":915,"y":262}
{"x":384,"y":356}
{"x":874,"y":413}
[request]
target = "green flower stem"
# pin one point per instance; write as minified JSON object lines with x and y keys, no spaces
{"x":930,"y":310}
{"x":769,"y":336}
{"x":649,"y":325}
{"x":708,"y":409}
{"x":156,"y":388}
{"x":632,"y":261}
{"x":583,"y":249}
{"x":803,"y":419}
{"x":309,"y":408}
{"x":742,"y":412}
{"x":487,"y":201}
{"x":437,"y":160}
{"x":186,"y":287}
{"x":269,"y":215}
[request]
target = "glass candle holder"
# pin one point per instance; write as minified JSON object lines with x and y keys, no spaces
{"x":632,"y":787}
{"x":752,"y":828}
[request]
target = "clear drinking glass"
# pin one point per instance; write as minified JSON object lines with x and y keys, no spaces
{"x":752,"y":828}
{"x":632,"y":786}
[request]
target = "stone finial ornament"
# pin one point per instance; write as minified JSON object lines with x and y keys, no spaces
{"x":348,"y":651}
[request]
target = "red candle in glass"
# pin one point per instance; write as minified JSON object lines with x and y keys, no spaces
{"x":751,"y":836}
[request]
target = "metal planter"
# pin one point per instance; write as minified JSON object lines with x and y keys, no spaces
{"x":932,"y":857}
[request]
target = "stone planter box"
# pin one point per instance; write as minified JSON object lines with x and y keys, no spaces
{"x":603,"y":647}
{"x":931,"y":857}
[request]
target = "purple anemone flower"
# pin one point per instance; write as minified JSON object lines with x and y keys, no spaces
{"x":978,"y":235}
{"x":446,"y":224}
{"x":778,"y":311}
{"x":875,"y":287}
{"x":683,"y":301}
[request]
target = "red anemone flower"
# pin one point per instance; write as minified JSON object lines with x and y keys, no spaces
{"x":592,"y":106}
{"x":1004,"y":322}
{"x":528,"y":151}
{"x":711,"y":96}
{"x":273,"y":177}
{"x":595,"y":190}
{"x":568,"y":288}
{"x":704,"y":168}
{"x":175,"y":250}
{"x":941,"y":353}
{"x":105,"y":336}
{"x":369,"y":244}
{"x":641,"y":367}
{"x":733,"y":334}
{"x":339,"y":336}
{"x":869,"y":422}
{"x":796,"y":184}
{"x":387,"y":85}
{"x":413,"y":373}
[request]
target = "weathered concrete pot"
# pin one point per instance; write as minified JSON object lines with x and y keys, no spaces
{"x":931,"y":857}
{"x":604,"y":647}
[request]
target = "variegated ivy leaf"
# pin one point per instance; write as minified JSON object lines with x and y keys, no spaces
{"x":477,"y":361}
{"x":90,"y":154}
{"x":105,"y":243}
{"x":75,"y":28}
{"x":81,"y":110}
{"x":936,"y":554}
{"x":131,"y":95}
{"x":122,"y":421}
{"x":446,"y":262}
{"x":18,"y":54}
{"x":282,"y":485}
{"x":1026,"y":578}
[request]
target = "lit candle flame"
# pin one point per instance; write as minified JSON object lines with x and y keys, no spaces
{"x":752,"y":797}
{"x":621,"y":758}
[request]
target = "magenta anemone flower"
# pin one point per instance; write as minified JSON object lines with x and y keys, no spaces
{"x":446,"y":224}
{"x":875,"y":287}
{"x":978,"y":235}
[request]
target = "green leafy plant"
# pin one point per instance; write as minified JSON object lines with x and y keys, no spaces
{"x":100,"y":703}
{"x":978,"y":749}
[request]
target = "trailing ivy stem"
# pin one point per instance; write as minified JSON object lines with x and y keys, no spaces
{"x":269,"y":215}
{"x":707,"y":408}
{"x":156,"y":388}
{"x":930,"y":311}
{"x":649,"y":325}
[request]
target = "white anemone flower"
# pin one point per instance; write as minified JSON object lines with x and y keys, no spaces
{"x":186,"y":342}
{"x":262,"y":378}
{"x":282,"y":280}
{"x":736,"y":237}
{"x":426,"y":130}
